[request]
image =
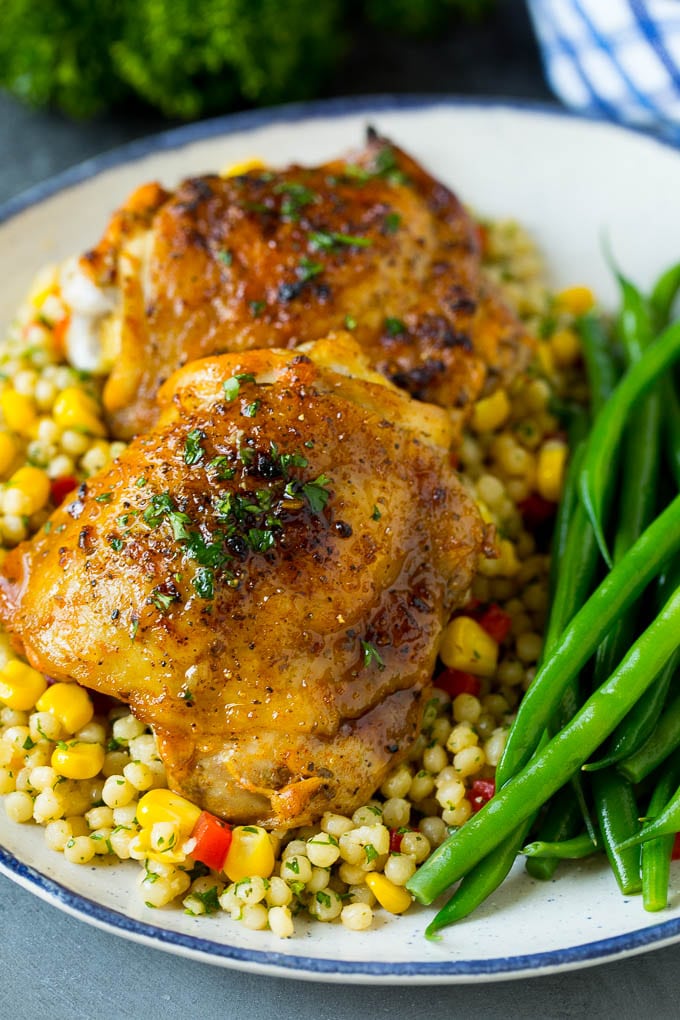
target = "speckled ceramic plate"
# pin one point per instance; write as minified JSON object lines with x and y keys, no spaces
{"x":571,"y":183}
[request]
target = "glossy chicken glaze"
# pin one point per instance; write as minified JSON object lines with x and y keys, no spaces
{"x":277,"y":258}
{"x":263,"y":578}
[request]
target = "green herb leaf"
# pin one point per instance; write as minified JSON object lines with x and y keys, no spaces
{"x":257,"y":308}
{"x":391,"y":223}
{"x":250,"y":410}
{"x":225,"y":257}
{"x":307,"y":270}
{"x":316,"y":493}
{"x":371,"y":655}
{"x":321,"y":240}
{"x":193,"y":450}
{"x":204,"y":583}
{"x":394,"y":327}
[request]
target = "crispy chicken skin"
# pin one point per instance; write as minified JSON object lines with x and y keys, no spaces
{"x":263,"y":578}
{"x":279,"y":258}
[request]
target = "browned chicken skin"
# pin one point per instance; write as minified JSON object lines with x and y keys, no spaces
{"x":263,"y":578}
{"x":278,"y":258}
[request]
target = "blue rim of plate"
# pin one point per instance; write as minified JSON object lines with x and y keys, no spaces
{"x":249,"y":120}
{"x":285,"y":964}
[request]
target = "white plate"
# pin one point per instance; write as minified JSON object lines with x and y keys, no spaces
{"x":571,"y":182}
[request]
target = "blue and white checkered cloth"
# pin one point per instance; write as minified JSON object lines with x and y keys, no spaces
{"x":618,"y":59}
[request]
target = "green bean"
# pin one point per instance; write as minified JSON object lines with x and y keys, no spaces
{"x":596,"y":346}
{"x":662,"y":741}
{"x":638,"y":725}
{"x":636,"y":320}
{"x":524,"y":794}
{"x":616,"y":592}
{"x":656,"y":853}
{"x":610,"y":422}
{"x":617,"y":815}
{"x":671,"y":427}
{"x":663,"y":295}
{"x":561,"y":821}
{"x":573,"y":849}
{"x":480,"y":881}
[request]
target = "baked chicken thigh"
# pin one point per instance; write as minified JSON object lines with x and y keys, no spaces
{"x":263,"y":578}
{"x":278,"y":258}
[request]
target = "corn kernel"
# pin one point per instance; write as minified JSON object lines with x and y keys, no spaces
{"x":20,"y":685}
{"x":69,"y":703}
{"x":491,"y":412}
{"x":250,"y":853}
{"x":552,"y":459}
{"x":34,"y":484}
{"x":393,"y":898}
{"x":74,"y":409}
{"x":78,"y":760}
{"x":545,"y":358}
{"x":467,"y":646}
{"x":565,"y":346}
{"x":165,"y":806}
{"x":244,"y":166}
{"x":8,"y":452}
{"x":18,"y":410}
{"x":575,"y":300}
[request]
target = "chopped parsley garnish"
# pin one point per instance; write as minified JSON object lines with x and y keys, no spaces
{"x":371,"y":655}
{"x":376,"y":515}
{"x":295,"y":197}
{"x":307,"y":269}
{"x":384,"y":166}
{"x":28,"y":744}
{"x":163,"y":600}
{"x":141,"y":482}
{"x":391,"y":223}
{"x":371,"y":853}
{"x":257,"y":308}
{"x":225,"y":256}
{"x":394,"y":327}
{"x":321,"y":240}
{"x":250,"y":410}
{"x":103,"y":497}
{"x":316,"y":493}
{"x":209,"y":899}
{"x":193,"y":451}
{"x":231,"y":387}
{"x":350,"y":322}
{"x":134,"y":627}
{"x":116,"y":544}
{"x":220,"y":465}
{"x":204,"y":582}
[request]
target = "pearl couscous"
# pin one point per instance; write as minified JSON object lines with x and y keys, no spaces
{"x":91,"y":774}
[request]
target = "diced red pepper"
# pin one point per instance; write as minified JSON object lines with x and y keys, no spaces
{"x":496,"y":622}
{"x":396,"y":836}
{"x":60,"y":488}
{"x":481,"y":791}
{"x":676,"y":848}
{"x":213,"y":839}
{"x":455,"y":682}
{"x":536,"y":510}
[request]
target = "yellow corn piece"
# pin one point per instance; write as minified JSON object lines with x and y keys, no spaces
{"x":251,"y":853}
{"x":34,"y":484}
{"x":575,"y":300}
{"x":70,"y":704}
{"x":467,"y":646}
{"x":491,"y":412}
{"x":392,"y":897}
{"x":565,"y":346}
{"x":74,"y":409}
{"x":18,"y":410}
{"x":243,"y":167}
{"x":165,"y":806}
{"x":545,"y":358}
{"x":20,"y":685}
{"x":8,"y":452}
{"x":45,"y":283}
{"x":78,"y":759}
{"x":148,"y":843}
{"x":552,"y":458}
